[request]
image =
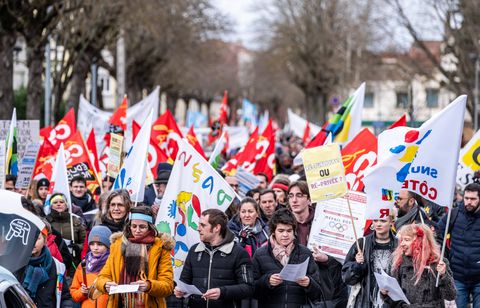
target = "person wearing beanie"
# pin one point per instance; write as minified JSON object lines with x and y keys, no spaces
{"x":43,"y":277}
{"x":59,"y":219}
{"x":139,"y":255}
{"x":82,"y":289}
{"x":42,"y":189}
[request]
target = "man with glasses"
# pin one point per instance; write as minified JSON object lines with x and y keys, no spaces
{"x":408,"y":210}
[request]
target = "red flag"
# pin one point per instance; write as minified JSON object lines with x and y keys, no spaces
{"x":193,"y":140}
{"x":119,"y":117}
{"x":244,"y":157}
{"x":306,"y":133}
{"x":135,"y":129}
{"x":265,"y":152}
{"x":223,"y":118}
{"x":92,"y":149}
{"x":63,"y":130}
{"x":45,"y":132}
{"x":319,"y":139}
{"x":78,"y":162}
{"x":359,"y":155}
{"x":45,"y":160}
{"x":402,"y":121}
{"x":166,"y":134}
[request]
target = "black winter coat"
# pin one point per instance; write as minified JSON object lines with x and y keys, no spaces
{"x":227,"y":267}
{"x":465,"y":245}
{"x":353,"y":272}
{"x":288,"y":294}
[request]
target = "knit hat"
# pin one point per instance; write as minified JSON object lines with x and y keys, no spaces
{"x":43,"y":182}
{"x":100,"y":234}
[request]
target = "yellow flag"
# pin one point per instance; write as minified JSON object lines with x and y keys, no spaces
{"x":471,"y":157}
{"x":325,"y":172}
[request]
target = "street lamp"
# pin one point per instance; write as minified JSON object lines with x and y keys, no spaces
{"x":475,"y":94}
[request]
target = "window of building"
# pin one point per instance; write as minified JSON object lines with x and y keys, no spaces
{"x":368,"y":101}
{"x":432,"y":98}
{"x":402,"y":100}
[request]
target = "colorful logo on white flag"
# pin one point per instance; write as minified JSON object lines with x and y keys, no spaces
{"x":193,"y":187}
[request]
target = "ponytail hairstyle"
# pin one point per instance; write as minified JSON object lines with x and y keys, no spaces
{"x":425,"y":250}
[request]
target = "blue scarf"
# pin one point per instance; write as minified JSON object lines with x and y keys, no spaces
{"x":95,"y":264}
{"x":37,"y":272}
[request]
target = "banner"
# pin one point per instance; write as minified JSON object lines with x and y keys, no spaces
{"x":65,"y":128}
{"x":193,"y":187}
{"x":115,"y":155}
{"x":11,"y":155}
{"x":20,"y":231}
{"x":469,"y":161}
{"x":332,"y":230}
{"x":27,"y":165}
{"x":2,"y":163}
{"x":358,"y":156}
{"x":166,"y":134}
{"x":417,"y":160}
{"x":325,"y":172}
{"x":28,"y":131}
{"x":59,"y":182}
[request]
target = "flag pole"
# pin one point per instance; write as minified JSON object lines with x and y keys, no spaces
{"x":444,"y":243}
{"x":353,"y":224}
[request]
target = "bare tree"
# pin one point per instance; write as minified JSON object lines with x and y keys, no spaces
{"x":7,"y":45}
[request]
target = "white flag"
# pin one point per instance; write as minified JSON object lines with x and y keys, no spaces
{"x":422,"y":160}
{"x":193,"y":187}
{"x":298,"y":124}
{"x":132,"y":174}
{"x":59,"y":182}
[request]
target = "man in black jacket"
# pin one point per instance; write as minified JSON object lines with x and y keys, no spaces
{"x":80,"y":195}
{"x":217,"y":266}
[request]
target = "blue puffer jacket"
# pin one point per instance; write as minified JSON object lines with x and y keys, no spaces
{"x":465,"y":245}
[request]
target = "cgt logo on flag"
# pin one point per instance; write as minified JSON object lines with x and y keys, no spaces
{"x":387,"y":195}
{"x":409,"y":149}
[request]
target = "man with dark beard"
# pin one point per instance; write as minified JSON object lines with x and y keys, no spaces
{"x":409,"y":211}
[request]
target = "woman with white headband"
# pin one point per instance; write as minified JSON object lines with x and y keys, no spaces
{"x":139,"y":255}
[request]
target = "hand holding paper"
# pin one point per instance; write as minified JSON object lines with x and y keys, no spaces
{"x":391,"y":285}
{"x":293,"y":272}
{"x":124,"y":288}
{"x":188,"y":289}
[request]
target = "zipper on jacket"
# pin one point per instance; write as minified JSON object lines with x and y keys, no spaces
{"x":210,"y":253}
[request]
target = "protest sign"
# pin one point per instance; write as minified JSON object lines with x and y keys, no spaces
{"x":332,"y":231}
{"x":2,"y":163}
{"x":193,"y":187}
{"x":28,"y":131}
{"x":115,"y":155}
{"x":325,"y":172}
{"x":27,"y":164}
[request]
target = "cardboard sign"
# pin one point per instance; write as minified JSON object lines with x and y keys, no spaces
{"x":26,"y":166}
{"x":28,"y":131}
{"x":115,"y":155}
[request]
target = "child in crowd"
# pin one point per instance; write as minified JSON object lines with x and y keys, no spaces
{"x":85,"y":276}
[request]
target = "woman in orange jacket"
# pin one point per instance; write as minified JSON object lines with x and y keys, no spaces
{"x":85,"y":276}
{"x":141,"y":256}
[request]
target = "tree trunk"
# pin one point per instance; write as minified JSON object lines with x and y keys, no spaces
{"x":7,"y":43}
{"x":77,"y":83}
{"x":35,"y":55}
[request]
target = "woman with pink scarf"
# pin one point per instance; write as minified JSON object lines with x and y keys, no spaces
{"x":282,"y":249}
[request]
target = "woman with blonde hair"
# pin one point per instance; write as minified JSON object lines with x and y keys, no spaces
{"x":416,"y":264}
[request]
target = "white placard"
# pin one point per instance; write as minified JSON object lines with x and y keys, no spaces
{"x":2,"y":162}
{"x":293,"y":272}
{"x":332,"y":231}
{"x":28,"y":131}
{"x":26,"y":166}
{"x":124,"y":288}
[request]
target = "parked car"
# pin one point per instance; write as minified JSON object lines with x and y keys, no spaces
{"x":12,"y":293}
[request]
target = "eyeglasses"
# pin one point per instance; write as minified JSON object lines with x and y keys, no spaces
{"x":141,"y":227}
{"x":298,"y":196}
{"x":234,"y":185}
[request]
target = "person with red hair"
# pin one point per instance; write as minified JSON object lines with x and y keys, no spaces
{"x":416,"y":264}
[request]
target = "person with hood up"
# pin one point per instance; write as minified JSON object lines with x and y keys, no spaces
{"x":59,"y":219}
{"x":249,"y":229}
{"x":87,"y":272}
{"x":139,"y":255}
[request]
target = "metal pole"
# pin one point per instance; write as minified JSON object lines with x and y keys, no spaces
{"x":475,"y":98}
{"x":48,"y":90}
{"x":94,"y":84}
{"x":120,"y":69}
{"x":411,"y":110}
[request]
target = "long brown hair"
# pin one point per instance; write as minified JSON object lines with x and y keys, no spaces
{"x":425,"y":250}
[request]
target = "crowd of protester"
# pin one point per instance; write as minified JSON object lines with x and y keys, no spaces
{"x":110,"y":241}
